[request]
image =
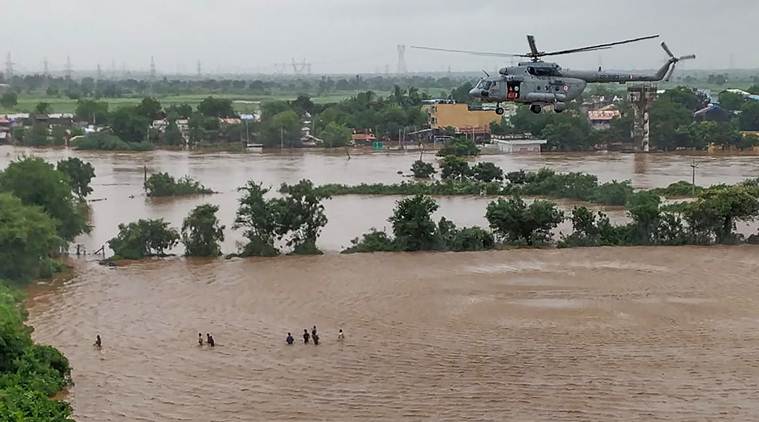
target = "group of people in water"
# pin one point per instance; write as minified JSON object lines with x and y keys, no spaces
{"x":314,"y":336}
{"x":209,"y":340}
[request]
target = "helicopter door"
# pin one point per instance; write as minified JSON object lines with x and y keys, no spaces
{"x":512,"y":90}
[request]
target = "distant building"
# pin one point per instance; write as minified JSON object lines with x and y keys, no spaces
{"x":601,"y":119}
{"x":365,"y":137}
{"x":461,"y":118}
{"x":712,"y":113}
{"x":516,"y":145}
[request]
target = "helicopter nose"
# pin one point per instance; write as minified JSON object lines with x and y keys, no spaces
{"x":477,"y":93}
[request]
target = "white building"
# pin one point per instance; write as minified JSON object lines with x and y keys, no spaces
{"x":518,"y":146}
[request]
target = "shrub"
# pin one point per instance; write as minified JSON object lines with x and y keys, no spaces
{"x":422,"y":170}
{"x":143,"y":239}
{"x":161,"y":184}
{"x":374,"y":241}
{"x":517,"y":223}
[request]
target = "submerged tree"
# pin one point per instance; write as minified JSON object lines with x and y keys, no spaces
{"x":516,"y":222}
{"x":487,"y":172}
{"x":256,"y":217}
{"x":422,"y":170}
{"x":713,"y":216}
{"x":143,"y":239}
{"x":201,"y":232}
{"x":412,"y":223}
{"x":300,"y":217}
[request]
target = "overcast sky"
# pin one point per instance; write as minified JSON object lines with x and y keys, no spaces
{"x":349,"y":36}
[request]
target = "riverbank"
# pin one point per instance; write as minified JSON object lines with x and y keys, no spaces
{"x":521,"y":334}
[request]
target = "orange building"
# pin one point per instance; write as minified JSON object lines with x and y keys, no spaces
{"x":460,"y":117}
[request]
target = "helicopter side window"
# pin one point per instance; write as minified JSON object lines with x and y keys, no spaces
{"x":484,"y":85}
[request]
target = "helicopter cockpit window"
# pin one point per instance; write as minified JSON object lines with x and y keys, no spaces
{"x":485,"y":85}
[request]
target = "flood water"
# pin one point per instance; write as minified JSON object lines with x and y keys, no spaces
{"x":118,"y":196}
{"x":541,"y":335}
{"x":582,"y":334}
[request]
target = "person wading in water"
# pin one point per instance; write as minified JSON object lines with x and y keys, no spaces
{"x":98,"y":342}
{"x":209,"y":340}
{"x":305,"y":336}
{"x":200,"y":339}
{"x":290,"y":339}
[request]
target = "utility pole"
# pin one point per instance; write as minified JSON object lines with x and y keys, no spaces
{"x":200,"y":70}
{"x":45,"y":68}
{"x":282,"y":138}
{"x":693,"y":166}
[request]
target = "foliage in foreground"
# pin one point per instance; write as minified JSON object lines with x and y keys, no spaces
{"x":29,"y":373}
{"x":80,"y":175}
{"x":37,"y":183}
{"x":161,"y":185}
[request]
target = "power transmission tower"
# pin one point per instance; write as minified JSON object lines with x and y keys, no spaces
{"x":8,"y":66}
{"x":200,"y":70}
{"x":69,"y":70}
{"x":45,"y":68}
{"x":152,"y":68}
{"x":402,"y":69}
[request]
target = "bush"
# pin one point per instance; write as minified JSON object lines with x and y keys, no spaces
{"x":681,"y":189}
{"x":612,"y":193}
{"x":374,"y":241}
{"x":412,"y":222}
{"x":454,"y":168}
{"x":459,"y":147}
{"x":143,"y":239}
{"x":422,"y":170}
{"x":161,"y":184}
{"x":27,"y":239}
{"x":487,"y":172}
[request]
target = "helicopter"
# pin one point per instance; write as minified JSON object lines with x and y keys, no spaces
{"x":540,"y":83}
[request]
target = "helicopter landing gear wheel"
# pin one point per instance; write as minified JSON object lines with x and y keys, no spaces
{"x":536,"y":108}
{"x":499,"y":111}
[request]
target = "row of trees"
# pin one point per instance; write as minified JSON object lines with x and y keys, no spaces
{"x":87,"y":87}
{"x":41,"y":210}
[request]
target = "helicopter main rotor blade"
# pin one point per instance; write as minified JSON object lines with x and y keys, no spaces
{"x":688,"y":57}
{"x":533,"y":48}
{"x":598,"y":46}
{"x":667,"y":50}
{"x":474,"y":53}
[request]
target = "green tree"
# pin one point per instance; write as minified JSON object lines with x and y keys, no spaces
{"x":37,"y":182}
{"x":129,"y":125}
{"x":43,"y":108}
{"x":38,"y":135}
{"x":282,"y":128}
{"x":59,"y":135}
{"x":422,"y":170}
{"x":216,"y":107}
{"x":94,"y":112}
{"x":150,"y":108}
{"x":666,"y":118}
{"x":714,"y":214}
{"x":162,"y":184}
{"x":412,"y":223}
{"x":644,"y":210}
{"x":731,"y":100}
{"x":172,"y":135}
{"x":569,"y":131}
{"x":335,"y":135}
{"x":487,"y":172}
{"x":299,"y":217}
{"x":454,"y":168}
{"x":80,"y":175}
{"x":591,"y":229}
{"x":515,"y":222}
{"x":182,"y":111}
{"x":257,"y":218}
{"x":688,"y":98}
{"x":202,"y":232}
{"x":749,"y":117}
{"x":27,"y":240}
{"x":9,"y":99}
{"x":143,"y":239}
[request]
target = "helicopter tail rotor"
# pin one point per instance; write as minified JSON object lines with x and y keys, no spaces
{"x":674,"y":60}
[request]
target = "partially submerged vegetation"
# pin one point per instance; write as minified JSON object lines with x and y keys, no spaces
{"x":162,"y":184}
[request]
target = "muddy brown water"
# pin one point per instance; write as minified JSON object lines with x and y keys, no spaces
{"x":581,"y":334}
{"x":118,"y":196}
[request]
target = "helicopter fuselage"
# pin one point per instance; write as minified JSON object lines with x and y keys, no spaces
{"x":539,"y":84}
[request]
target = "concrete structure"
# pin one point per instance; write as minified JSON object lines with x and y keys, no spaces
{"x":513,"y":145}
{"x":461,"y":118}
{"x":642,"y":98}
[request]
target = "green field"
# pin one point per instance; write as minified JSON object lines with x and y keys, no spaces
{"x":243,"y":103}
